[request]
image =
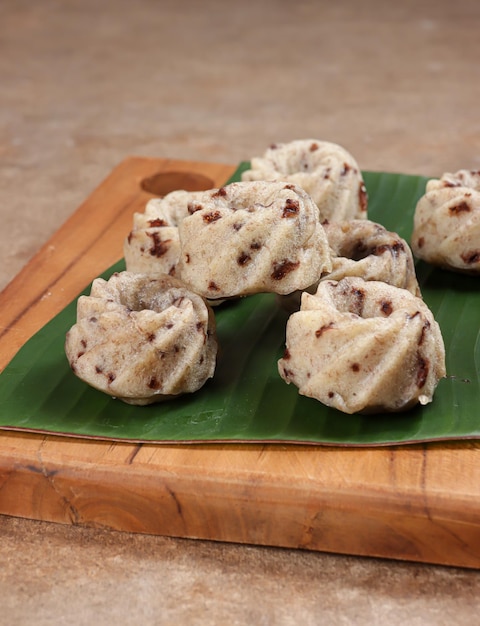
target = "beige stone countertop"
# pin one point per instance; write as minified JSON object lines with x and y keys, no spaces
{"x":83,"y":85}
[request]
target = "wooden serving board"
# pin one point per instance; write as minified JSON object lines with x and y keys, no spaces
{"x":419,"y":503}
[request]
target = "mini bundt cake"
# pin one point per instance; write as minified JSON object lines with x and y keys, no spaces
{"x":153,"y":246}
{"x":142,"y":339}
{"x":325,"y":170}
{"x":363,"y":347}
{"x":446,"y":229}
{"x":251,"y":237}
{"x":366,"y":249}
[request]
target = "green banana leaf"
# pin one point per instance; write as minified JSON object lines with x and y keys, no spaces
{"x":246,"y":400}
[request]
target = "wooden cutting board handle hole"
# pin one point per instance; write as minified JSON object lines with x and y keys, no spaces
{"x":164,"y":182}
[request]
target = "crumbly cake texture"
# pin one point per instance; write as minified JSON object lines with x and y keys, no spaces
{"x":153,"y":246}
{"x":446,"y":229}
{"x":363,"y":347}
{"x":142,"y":339}
{"x":252,"y":237}
{"x":325,"y":170}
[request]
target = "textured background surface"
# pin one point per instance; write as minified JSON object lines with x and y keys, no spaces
{"x":85,"y":84}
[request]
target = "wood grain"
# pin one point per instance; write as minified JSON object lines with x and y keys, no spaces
{"x":419,"y":503}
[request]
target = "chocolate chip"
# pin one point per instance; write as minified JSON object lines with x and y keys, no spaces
{"x":463,"y":207}
{"x":395,"y":248}
{"x":213,"y":216}
{"x":423,"y":367}
{"x":156,"y":223}
{"x":386,"y":307}
{"x":243,"y":258}
{"x":159,"y":247}
{"x":282,"y":268}
{"x":291,"y":208}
